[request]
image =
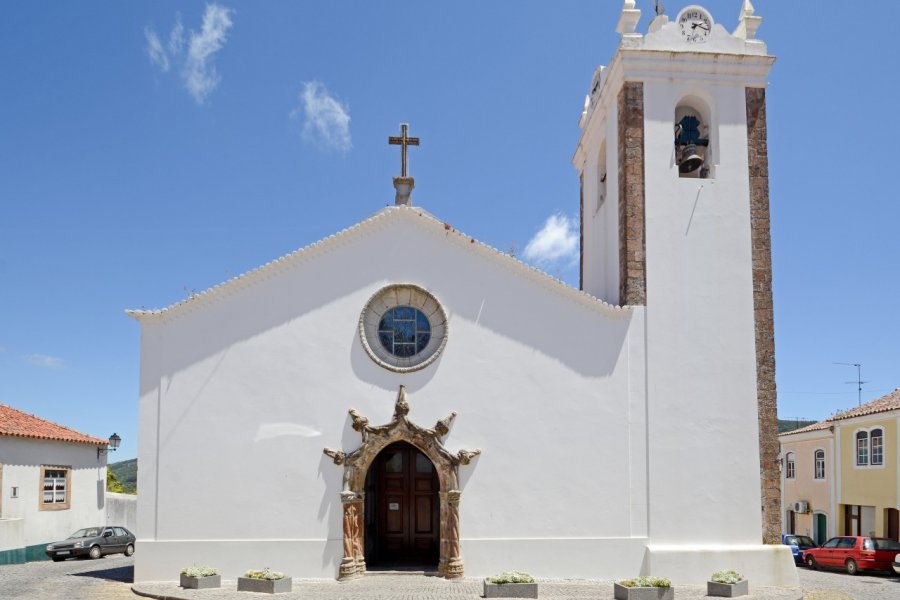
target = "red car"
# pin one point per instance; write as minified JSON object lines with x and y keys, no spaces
{"x":854,"y":553}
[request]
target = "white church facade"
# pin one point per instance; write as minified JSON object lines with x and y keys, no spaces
{"x":461,"y":412}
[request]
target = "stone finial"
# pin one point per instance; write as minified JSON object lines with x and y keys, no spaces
{"x":442,"y":427}
{"x":466,"y":456}
{"x":338,"y":456}
{"x":629,"y":18}
{"x":401,"y":407}
{"x":748,"y":23}
{"x":359,"y":422}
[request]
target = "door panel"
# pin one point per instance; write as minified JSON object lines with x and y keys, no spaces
{"x":405,"y":487}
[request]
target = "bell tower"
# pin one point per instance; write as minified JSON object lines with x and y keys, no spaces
{"x":675,"y":222}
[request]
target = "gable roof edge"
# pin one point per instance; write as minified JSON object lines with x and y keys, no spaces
{"x":379,"y":219}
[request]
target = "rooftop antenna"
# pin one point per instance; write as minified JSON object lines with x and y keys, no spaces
{"x":659,"y":8}
{"x":858,"y":381}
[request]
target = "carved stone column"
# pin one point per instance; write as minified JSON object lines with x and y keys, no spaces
{"x":453,"y":567}
{"x":353,"y":564}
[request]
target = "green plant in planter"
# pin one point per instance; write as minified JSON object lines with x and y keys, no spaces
{"x":726,"y":577}
{"x":264,"y":574}
{"x":511,"y":577}
{"x":199,"y":571}
{"x":646,"y":582}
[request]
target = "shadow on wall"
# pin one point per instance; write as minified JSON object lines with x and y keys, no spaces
{"x":504,"y":300}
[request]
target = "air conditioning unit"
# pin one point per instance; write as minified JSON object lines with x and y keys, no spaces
{"x":801,"y":507}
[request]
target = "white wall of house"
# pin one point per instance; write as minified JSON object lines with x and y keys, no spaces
{"x":22,"y":460}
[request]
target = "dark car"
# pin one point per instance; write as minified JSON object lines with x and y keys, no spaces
{"x":93,"y":542}
{"x":798,"y":544}
{"x":854,"y":553}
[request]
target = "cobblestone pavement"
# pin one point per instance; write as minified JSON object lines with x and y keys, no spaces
{"x":417,"y":587}
{"x":109,"y":578}
{"x":837,"y":585}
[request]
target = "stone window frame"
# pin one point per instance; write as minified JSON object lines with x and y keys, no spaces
{"x":790,"y":466}
{"x":392,"y":296}
{"x":863,"y":438}
{"x":819,"y":473}
{"x":67,"y":503}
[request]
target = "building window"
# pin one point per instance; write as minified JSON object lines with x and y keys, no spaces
{"x":403,"y":328}
{"x":820,"y":464}
{"x":14,"y":492}
{"x":55,"y":484}
{"x":862,"y":448}
{"x":876,"y":447}
{"x":404,"y":331}
{"x":870,"y":447}
{"x":789,"y":468}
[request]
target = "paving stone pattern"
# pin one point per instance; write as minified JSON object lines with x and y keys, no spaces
{"x":109,"y":578}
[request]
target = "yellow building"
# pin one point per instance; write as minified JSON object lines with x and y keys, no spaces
{"x":867,"y":462}
{"x":840,"y":476}
{"x":808,"y":481}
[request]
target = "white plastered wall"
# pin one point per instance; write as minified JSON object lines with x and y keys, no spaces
{"x":22,"y":459}
{"x":257,"y":382}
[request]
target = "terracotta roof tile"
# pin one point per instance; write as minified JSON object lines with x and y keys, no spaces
{"x":879,"y":405}
{"x":16,"y":423}
{"x":813,"y":427}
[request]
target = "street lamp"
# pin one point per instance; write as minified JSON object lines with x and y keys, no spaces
{"x":114,"y":441}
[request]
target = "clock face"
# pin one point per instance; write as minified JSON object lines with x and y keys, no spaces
{"x":696,"y":25}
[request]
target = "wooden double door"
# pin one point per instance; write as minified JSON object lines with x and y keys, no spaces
{"x":402,"y":508}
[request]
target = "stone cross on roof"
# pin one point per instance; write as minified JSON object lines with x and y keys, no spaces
{"x":403,"y":141}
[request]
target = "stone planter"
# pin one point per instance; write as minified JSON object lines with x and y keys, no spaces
{"x":201,"y":583}
{"x":727,"y":590}
{"x":643,"y":593}
{"x":510,"y":590}
{"x":264,"y":586}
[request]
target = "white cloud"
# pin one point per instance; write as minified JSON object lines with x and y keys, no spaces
{"x":556,"y":242}
{"x":200,"y":75}
{"x":326,"y":122}
{"x":45,"y":361}
{"x":176,"y":37}
{"x":155,"y":50}
{"x":197,"y":69}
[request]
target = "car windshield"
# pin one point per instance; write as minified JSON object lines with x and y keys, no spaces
{"x":802,"y":540}
{"x":87,"y":532}
{"x":881,"y":544}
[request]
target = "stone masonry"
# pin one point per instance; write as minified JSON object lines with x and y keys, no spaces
{"x":757,"y":147}
{"x":632,"y":267}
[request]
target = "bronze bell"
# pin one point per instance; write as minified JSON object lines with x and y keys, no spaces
{"x":690,"y":159}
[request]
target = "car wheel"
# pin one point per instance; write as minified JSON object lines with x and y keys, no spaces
{"x":129,"y":549}
{"x":95,"y":552}
{"x":852,"y":568}
{"x":811,"y":562}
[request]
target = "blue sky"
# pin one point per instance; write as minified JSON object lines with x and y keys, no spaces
{"x":151,"y":149}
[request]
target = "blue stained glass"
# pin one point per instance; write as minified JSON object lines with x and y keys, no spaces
{"x":405,"y":313}
{"x":387,"y":339}
{"x":404,"y":350}
{"x":404,"y":331}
